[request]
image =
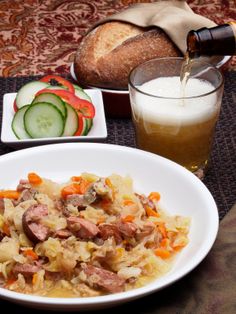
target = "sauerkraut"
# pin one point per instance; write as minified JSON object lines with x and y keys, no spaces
{"x":87,"y":237}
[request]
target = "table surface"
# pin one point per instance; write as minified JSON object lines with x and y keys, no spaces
{"x":220,"y":180}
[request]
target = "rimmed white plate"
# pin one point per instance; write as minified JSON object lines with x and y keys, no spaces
{"x":182,"y":193}
{"x":97,"y":133}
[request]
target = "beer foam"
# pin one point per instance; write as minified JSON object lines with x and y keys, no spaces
{"x":175,"y":111}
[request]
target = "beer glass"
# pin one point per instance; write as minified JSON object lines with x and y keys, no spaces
{"x":172,"y":120}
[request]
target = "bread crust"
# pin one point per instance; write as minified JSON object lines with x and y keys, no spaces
{"x":108,"y":53}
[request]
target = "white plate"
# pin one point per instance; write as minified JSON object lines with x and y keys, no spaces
{"x":182,"y":193}
{"x":97,"y":133}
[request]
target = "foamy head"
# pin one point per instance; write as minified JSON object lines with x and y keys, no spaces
{"x":175,"y":110}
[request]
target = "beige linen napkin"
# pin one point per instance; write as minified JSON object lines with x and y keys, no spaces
{"x":175,"y":17}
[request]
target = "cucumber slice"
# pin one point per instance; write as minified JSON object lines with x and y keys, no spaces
{"x":43,"y":120}
{"x":71,"y":123}
{"x":84,"y":130}
{"x":52,"y":99}
{"x":17,"y":124}
{"x":89,"y":123}
{"x":27,"y":92}
{"x":77,"y":87}
{"x":81,"y":94}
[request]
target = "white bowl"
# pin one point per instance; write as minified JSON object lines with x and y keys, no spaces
{"x":182,"y":193}
{"x":98,"y":131}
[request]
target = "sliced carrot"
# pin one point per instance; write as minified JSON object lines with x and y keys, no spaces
{"x":9,"y":282}
{"x":154,"y":196}
{"x":34,"y":178}
{"x":9,"y":194}
{"x":128,"y":218}
{"x":6,"y":229}
{"x":101,"y":220}
{"x":84,"y":184}
{"x":30,"y":253}
{"x":162,"y":229}
{"x":110,"y":185}
{"x":128,"y":202}
{"x":151,"y":212}
{"x":161,"y":252}
{"x":69,"y":190}
{"x":34,"y":278}
{"x":165,"y":242}
{"x":76,"y":178}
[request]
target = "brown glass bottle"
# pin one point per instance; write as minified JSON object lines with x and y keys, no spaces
{"x":219,"y":40}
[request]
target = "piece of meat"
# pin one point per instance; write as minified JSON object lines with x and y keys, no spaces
{"x":27,"y":194}
{"x":27,"y":270}
{"x":145,"y":201}
{"x":83,"y":228}
{"x":63,"y":234}
{"x":104,"y":279}
{"x":2,"y":235}
{"x":107,"y":230}
{"x":23,"y":184}
{"x":32,"y":227}
{"x":145,"y":231}
{"x":76,"y":200}
{"x":127,"y":229}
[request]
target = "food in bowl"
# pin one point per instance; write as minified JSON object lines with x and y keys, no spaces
{"x":87,"y":237}
{"x":109,"y":52}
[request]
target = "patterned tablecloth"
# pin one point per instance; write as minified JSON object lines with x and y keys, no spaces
{"x":39,"y":37}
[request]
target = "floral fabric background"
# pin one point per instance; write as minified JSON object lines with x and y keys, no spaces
{"x":42,"y":36}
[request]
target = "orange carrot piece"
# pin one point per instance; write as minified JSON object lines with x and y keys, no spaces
{"x":151,"y":212}
{"x":76,"y":178}
{"x":162,"y":230}
{"x":110,"y":185}
{"x":128,"y":218}
{"x":9,"y":282}
{"x":34,"y":178}
{"x":161,"y":252}
{"x":128,"y":202}
{"x":34,"y":278}
{"x":84,"y":184}
{"x":9,"y":194}
{"x":154,"y":196}
{"x":6,"y":229}
{"x":101,"y":220}
{"x":70,"y":189}
{"x":31,"y":253}
{"x":164,"y":242}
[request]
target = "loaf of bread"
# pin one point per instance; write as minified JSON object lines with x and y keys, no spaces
{"x":109,"y":52}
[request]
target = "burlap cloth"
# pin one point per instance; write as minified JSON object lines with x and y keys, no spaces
{"x":175,"y":17}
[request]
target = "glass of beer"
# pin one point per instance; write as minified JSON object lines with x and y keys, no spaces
{"x":176,"y":119}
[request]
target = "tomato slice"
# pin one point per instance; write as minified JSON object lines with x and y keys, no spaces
{"x":83,"y":106}
{"x":81,"y":125}
{"x":15,"y":106}
{"x":62,"y":81}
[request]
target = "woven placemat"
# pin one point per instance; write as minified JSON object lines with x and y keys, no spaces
{"x":221,"y":176}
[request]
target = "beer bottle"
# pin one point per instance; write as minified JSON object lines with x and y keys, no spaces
{"x":219,"y":40}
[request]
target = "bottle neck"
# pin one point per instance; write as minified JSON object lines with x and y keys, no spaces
{"x":219,"y":40}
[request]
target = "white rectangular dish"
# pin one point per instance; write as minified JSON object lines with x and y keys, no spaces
{"x":97,"y":133}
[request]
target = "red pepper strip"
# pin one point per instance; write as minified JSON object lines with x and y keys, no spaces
{"x":59,"y":80}
{"x":15,"y":106}
{"x":83,"y":106}
{"x":81,"y":125}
